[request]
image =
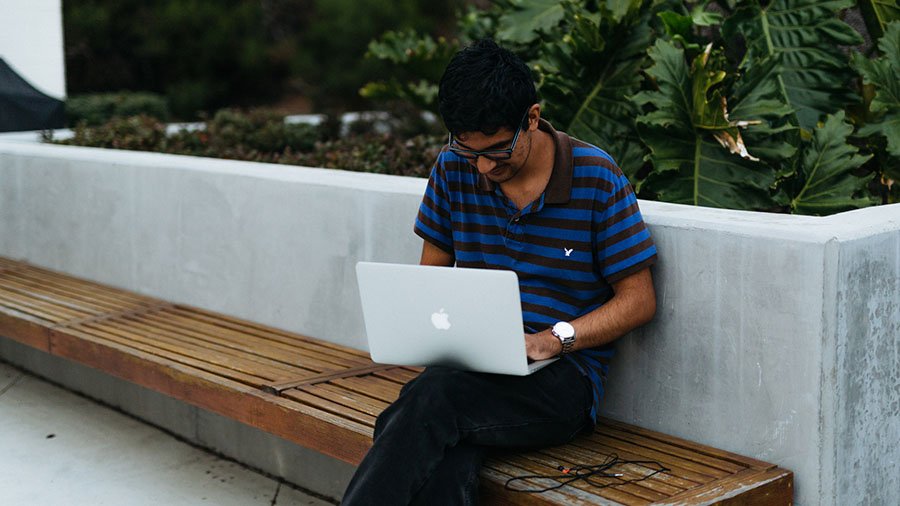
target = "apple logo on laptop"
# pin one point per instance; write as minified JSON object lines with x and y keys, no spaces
{"x":440,"y":320}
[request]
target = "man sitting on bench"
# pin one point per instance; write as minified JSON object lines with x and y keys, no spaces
{"x":510,"y":192}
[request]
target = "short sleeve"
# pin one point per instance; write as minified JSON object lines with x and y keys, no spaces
{"x":433,"y":221}
{"x":623,"y":242}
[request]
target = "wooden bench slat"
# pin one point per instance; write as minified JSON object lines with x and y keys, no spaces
{"x":383,"y":390}
{"x":538,"y":463}
{"x":680,"y":451}
{"x":402,"y":375}
{"x":326,"y":405}
{"x":492,"y":492}
{"x":676,"y":475}
{"x":174,"y":358}
{"x":625,"y":492}
{"x":35,"y":309}
{"x":347,"y":398}
{"x":742,"y":460}
{"x":336,"y":354}
{"x":265,"y":331}
{"x":42,"y":294}
{"x":84,"y":288}
{"x":751,"y":486}
{"x":507,"y":469}
{"x":288,"y":354}
{"x":51,"y":309}
{"x":22,"y":313}
{"x":89,"y":303}
{"x":205,"y":353}
{"x":324,"y":377}
{"x":288,"y":367}
{"x":9,"y":263}
{"x":670,"y":461}
{"x":111,"y":315}
{"x":663,"y":483}
{"x":206,"y":344}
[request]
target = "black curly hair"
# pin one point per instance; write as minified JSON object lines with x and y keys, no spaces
{"x":485,"y":88}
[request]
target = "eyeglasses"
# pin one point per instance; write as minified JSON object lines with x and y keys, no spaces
{"x":490,"y":154}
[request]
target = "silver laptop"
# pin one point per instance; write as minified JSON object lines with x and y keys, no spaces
{"x":468,"y":319}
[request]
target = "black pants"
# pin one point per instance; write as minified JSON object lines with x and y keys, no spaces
{"x":429,"y":444}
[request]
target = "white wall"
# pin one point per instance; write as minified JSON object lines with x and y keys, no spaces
{"x":776,"y":336}
{"x":31,"y":42}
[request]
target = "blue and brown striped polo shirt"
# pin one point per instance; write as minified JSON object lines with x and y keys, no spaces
{"x":567,"y":247}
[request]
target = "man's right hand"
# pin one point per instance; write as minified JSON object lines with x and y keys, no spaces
{"x":542,"y":345}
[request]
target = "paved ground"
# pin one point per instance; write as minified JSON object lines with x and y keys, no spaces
{"x":58,"y":448}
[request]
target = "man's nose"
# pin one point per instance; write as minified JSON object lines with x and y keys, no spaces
{"x":484,"y":165}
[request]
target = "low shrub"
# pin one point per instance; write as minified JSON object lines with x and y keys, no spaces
{"x":98,"y":108}
{"x":138,"y":133}
{"x":263,"y":136}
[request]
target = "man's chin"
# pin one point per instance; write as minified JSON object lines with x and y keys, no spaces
{"x":502,"y":176}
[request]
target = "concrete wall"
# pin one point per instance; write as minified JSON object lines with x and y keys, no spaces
{"x":862,"y":378}
{"x":776,"y":336}
{"x":31,"y":42}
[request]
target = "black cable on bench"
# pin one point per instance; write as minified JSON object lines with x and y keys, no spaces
{"x":588,"y":474}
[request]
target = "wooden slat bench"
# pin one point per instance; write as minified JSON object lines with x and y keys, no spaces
{"x":326,"y":397}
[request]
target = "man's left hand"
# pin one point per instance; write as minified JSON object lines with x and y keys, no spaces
{"x":542,"y":345}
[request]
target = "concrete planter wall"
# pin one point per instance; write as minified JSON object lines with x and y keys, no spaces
{"x":776,"y":336}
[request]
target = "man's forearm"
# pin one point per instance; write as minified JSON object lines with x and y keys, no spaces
{"x":619,"y":316}
{"x":632,"y":305}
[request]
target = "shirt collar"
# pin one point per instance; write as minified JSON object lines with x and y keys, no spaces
{"x":559,"y":188}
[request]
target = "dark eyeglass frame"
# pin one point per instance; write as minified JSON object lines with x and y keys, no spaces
{"x":490,"y":154}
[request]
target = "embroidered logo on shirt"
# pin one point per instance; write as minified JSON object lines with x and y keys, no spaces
{"x":568,"y":251}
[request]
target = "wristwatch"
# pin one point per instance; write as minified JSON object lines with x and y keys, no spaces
{"x":565,"y":332}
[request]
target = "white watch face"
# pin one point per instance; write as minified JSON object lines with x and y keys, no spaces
{"x":564,"y":329}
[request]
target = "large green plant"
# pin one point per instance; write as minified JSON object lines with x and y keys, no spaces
{"x":420,"y":56}
{"x":813,"y":78}
{"x":882,"y":78}
{"x":747,"y":105}
{"x":698,"y":154}
{"x":586,"y":77}
{"x":884,"y":75}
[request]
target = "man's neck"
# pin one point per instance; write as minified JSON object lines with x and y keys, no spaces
{"x":533,"y":177}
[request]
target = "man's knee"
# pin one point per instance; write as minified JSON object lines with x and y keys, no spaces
{"x":441,"y":378}
{"x":434,"y":394}
{"x":443,"y":388}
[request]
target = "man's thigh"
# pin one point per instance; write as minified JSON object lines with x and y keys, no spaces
{"x":545,"y":408}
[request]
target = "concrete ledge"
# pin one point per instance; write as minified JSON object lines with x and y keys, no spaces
{"x":776,"y":335}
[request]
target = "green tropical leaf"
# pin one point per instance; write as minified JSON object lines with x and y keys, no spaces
{"x":584,"y":82}
{"x":422,"y":94}
{"x":877,"y":14}
{"x":702,"y":17}
{"x":756,"y":96}
{"x":884,"y":74}
{"x":682,"y":27}
{"x":414,"y":55}
{"x":619,"y":9}
{"x":528,"y":19}
{"x":805,"y":34}
{"x":828,"y":162}
{"x":686,"y":132}
{"x":676,"y":24}
{"x":679,"y":28}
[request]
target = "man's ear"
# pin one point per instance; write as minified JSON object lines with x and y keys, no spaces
{"x":534,"y":117}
